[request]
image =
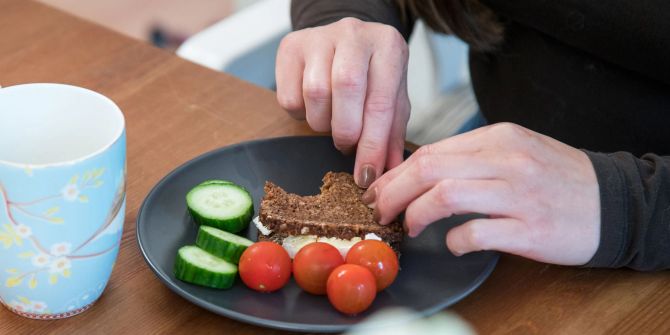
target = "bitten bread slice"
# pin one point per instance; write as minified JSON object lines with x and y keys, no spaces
{"x":336,"y":212}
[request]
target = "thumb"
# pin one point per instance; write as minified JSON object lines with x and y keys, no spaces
{"x":502,"y":234}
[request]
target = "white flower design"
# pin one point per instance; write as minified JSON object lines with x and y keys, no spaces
{"x":38,"y":306}
{"x":70,"y":192}
{"x":23,"y":231}
{"x":41,"y":260}
{"x":60,"y":249}
{"x":60,"y":265}
{"x":19,"y":306}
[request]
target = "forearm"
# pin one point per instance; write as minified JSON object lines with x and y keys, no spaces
{"x":635,"y":211}
{"x":313,"y":13}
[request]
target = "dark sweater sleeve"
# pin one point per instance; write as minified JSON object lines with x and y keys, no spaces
{"x":313,"y":13}
{"x":633,"y":34}
{"x":635,"y":211}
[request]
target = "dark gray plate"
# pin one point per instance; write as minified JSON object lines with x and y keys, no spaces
{"x":430,"y":280}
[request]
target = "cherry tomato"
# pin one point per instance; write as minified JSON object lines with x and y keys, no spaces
{"x":313,"y":264}
{"x":378,"y":257}
{"x":265,"y":267}
{"x":351,"y":288}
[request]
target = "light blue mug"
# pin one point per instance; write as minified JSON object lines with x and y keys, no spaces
{"x":62,"y":197}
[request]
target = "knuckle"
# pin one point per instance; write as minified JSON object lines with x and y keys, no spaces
{"x":349,"y":23}
{"x":509,"y":130}
{"x":392,"y":39}
{"x":345,"y":137}
{"x":382,"y":201}
{"x":425,"y":150}
{"x":349,"y":80}
{"x":317,"y":125}
{"x":289,"y":103}
{"x":425,"y":168}
{"x":317,"y":93}
{"x":444,"y":193}
{"x":290,"y":41}
{"x":475,"y":237}
{"x":379,"y":104}
{"x":527,"y":165}
{"x":371,"y":144}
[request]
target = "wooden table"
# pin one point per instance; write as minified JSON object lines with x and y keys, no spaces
{"x":176,"y":110}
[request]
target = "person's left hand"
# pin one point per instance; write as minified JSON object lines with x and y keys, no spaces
{"x":541,"y":196}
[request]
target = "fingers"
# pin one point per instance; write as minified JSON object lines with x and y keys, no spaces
{"x":443,"y":147}
{"x":289,"y":73}
{"x":349,"y":77}
{"x":396,"y":144}
{"x":469,"y":143}
{"x":384,"y":80}
{"x":419,"y":175}
{"x":349,"y":83}
{"x":316,"y":85}
{"x":502,"y":234}
{"x":455,"y":197}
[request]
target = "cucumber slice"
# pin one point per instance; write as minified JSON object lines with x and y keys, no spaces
{"x":222,"y":205}
{"x":222,"y":243}
{"x":215,"y":181}
{"x":196,"y":266}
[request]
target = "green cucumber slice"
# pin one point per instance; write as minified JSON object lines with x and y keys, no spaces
{"x":196,"y":266}
{"x":215,"y":181}
{"x":220,"y":204}
{"x":222,"y":243}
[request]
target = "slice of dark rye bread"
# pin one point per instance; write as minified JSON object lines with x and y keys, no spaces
{"x":336,"y":212}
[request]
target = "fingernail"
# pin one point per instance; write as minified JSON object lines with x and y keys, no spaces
{"x":369,"y":196}
{"x":456,"y":253}
{"x":376,"y":215}
{"x":367,"y":176}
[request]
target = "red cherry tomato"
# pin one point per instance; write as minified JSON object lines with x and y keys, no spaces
{"x":378,"y":257}
{"x":313,"y":264}
{"x":351,"y":288}
{"x":265,"y":267}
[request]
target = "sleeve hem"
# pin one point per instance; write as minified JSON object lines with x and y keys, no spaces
{"x":613,"y":211}
{"x":313,"y":13}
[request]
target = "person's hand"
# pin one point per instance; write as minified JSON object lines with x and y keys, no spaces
{"x":541,"y":196}
{"x":349,"y":77}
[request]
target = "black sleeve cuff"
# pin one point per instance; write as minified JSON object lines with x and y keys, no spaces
{"x":613,"y":210}
{"x":635,"y":211}
{"x":313,"y":13}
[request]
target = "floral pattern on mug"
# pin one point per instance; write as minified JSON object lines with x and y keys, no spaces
{"x":57,"y":260}
{"x":23,"y":231}
{"x":60,"y":249}
{"x":62,"y":205}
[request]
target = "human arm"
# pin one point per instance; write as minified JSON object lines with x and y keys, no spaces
{"x":349,"y":77}
{"x":315,"y":13}
{"x":635,"y":201}
{"x":543,"y":199}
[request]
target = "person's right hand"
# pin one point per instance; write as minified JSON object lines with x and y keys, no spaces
{"x":349,"y":77}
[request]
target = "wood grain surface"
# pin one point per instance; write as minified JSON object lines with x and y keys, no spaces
{"x":176,"y":110}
